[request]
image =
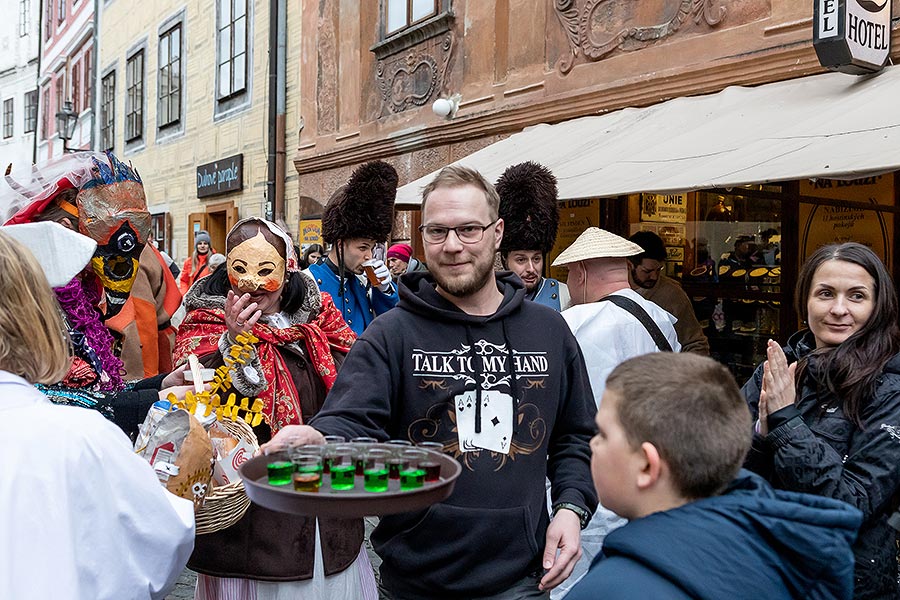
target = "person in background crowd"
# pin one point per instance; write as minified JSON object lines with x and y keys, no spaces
{"x":82,"y":515}
{"x":528,"y":206}
{"x":828,"y":404}
{"x":216,"y":261}
{"x":513,"y":405}
{"x":357,"y":219}
{"x":303,"y":341}
{"x":645,"y":274}
{"x":612,"y":323}
{"x":312,"y":255}
{"x":673,"y":431}
{"x":195,"y":267}
{"x":400,"y":260}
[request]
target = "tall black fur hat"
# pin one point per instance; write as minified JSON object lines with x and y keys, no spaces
{"x":528,"y":198}
{"x":364,"y":207}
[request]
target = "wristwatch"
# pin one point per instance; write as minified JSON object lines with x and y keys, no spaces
{"x":583,"y":515}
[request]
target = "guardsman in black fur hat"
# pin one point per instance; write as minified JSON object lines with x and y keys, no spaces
{"x":528,"y":199}
{"x":357,"y":219}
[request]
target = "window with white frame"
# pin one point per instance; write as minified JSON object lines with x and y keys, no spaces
{"x":31,"y":110}
{"x":401,"y":14}
{"x":88,"y":79}
{"x":75,"y":91}
{"x":45,"y":113}
{"x":24,"y":17}
{"x":8,"y":118}
{"x":232,"y":48}
{"x":169,"y":69}
{"x":108,"y":111}
{"x":61,"y":5}
{"x":134,"y":97}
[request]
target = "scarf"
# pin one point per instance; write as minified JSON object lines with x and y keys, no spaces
{"x":200,"y":332}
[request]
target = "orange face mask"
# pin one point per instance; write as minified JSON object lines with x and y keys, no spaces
{"x":254,"y":265}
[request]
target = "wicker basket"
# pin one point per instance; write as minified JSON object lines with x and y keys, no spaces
{"x":226,"y":504}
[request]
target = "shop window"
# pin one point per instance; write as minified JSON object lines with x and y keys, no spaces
{"x":134,"y":97}
{"x":31,"y":110}
{"x":108,"y":111}
{"x":8,"y":119}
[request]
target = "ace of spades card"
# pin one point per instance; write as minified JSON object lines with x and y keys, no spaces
{"x":496,"y":421}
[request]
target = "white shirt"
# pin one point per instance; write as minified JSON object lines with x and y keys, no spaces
{"x":81,"y":515}
{"x":609,"y":335}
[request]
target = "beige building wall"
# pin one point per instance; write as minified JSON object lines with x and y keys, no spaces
{"x":168,"y":161}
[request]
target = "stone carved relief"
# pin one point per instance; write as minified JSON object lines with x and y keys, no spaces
{"x":411,"y":78}
{"x":598,"y":27}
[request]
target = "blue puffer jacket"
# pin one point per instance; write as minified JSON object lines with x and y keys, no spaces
{"x":750,"y":542}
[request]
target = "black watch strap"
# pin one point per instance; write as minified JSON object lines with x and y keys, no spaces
{"x":583,"y":515}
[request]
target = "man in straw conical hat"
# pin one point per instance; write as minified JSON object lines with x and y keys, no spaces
{"x":612,"y":323}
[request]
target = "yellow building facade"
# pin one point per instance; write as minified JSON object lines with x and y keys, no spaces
{"x":183,"y":92}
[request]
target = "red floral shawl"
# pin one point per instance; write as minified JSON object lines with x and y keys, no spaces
{"x":200,"y":332}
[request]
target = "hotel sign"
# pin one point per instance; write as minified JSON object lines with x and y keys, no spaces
{"x":852,"y":36}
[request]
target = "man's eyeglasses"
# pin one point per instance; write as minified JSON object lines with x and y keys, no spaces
{"x":467,"y":234}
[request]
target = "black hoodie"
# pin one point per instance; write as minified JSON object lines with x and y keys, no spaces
{"x":403,"y":378}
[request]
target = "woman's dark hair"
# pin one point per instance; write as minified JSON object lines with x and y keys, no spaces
{"x":851,"y":369}
{"x":312,"y":248}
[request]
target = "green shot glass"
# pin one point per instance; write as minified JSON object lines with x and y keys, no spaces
{"x":412,"y":475}
{"x":375,"y":469}
{"x":343,"y":467}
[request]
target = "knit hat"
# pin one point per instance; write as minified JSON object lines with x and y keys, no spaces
{"x":401,"y":251}
{"x":201,"y":236}
{"x":596,"y":243}
{"x":528,"y":207}
{"x":364,"y":208}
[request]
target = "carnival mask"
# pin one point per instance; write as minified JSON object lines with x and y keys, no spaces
{"x":112,"y":210}
{"x":255,"y":265}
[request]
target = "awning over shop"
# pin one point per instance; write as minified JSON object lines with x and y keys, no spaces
{"x":831,"y":125}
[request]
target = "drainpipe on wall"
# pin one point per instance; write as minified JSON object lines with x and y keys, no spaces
{"x":37,"y":82}
{"x":95,"y":59}
{"x":277,"y":153}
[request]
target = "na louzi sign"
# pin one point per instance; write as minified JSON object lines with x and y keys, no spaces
{"x":220,"y":177}
{"x":852,"y":36}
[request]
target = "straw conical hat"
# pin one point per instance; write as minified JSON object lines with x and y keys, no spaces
{"x":597,"y":243}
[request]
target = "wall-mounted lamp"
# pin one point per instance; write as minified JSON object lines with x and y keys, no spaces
{"x":446,"y":107}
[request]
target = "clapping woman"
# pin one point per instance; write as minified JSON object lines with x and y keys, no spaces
{"x":828,"y":404}
{"x":303,"y":340}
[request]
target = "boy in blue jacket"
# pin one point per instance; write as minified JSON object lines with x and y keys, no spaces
{"x":673,"y":431}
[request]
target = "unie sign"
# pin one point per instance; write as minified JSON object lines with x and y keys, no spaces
{"x":852,"y":36}
{"x":221,"y":176}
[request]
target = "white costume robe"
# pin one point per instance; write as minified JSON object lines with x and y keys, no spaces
{"x":81,"y":515}
{"x":609,"y":335}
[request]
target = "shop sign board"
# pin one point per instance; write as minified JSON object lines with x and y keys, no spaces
{"x":664,"y":208}
{"x":310,"y":232}
{"x":221,"y":176}
{"x":574,"y":217}
{"x":852,"y":36}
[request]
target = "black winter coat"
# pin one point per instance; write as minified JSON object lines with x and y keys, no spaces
{"x":822,"y":452}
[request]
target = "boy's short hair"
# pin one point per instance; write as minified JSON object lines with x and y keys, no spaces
{"x":690,"y":408}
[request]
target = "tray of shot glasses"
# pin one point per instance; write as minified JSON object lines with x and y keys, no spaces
{"x":355,"y":479}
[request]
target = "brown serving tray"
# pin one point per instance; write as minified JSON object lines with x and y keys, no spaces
{"x":350,"y":503}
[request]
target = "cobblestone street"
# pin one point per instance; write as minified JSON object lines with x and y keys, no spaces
{"x":184,"y":588}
